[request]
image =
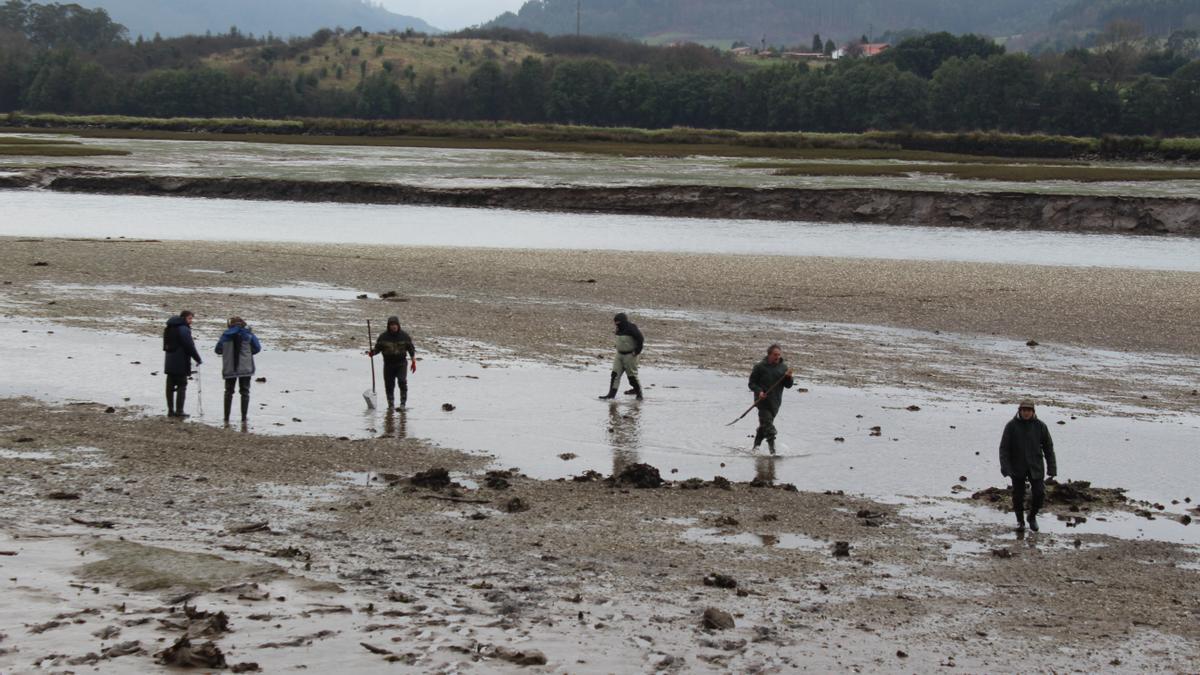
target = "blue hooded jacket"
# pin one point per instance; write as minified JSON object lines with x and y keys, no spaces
{"x":238,"y":359}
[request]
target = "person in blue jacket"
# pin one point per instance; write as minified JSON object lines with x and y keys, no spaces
{"x":237,"y":347}
{"x":177,"y":362}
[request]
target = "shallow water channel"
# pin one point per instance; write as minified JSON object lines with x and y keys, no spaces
{"x":36,"y":213}
{"x":548,"y":422}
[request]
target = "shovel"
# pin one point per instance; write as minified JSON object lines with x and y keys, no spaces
{"x":369,"y":396}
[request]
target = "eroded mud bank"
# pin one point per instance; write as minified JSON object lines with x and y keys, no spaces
{"x":1069,"y":213}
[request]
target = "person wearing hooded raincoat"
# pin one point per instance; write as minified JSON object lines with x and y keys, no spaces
{"x":396,"y":346}
{"x":180,"y":351}
{"x":1027,"y":454}
{"x":629,"y":344}
{"x":768,"y":379}
{"x":237,"y":347}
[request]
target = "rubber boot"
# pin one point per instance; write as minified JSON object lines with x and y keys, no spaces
{"x":228,"y":405}
{"x":612,"y":386}
{"x":403,"y":396}
{"x":637,"y":387}
{"x":758,"y":437}
{"x":170,"y":398}
{"x":1033,"y":525}
{"x":771,"y":444}
{"x":180,"y":397}
{"x":1020,"y":521}
{"x":391,"y":404}
{"x":245,"y":406}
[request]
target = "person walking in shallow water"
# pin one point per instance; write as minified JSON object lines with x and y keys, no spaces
{"x":396,"y":347}
{"x":237,"y":347}
{"x":768,"y":379}
{"x":1027,"y":454}
{"x":629,"y":343}
{"x":180,"y":351}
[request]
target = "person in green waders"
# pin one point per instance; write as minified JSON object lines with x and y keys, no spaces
{"x":768,"y":380}
{"x":629,"y":345}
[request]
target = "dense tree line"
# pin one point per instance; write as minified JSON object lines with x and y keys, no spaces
{"x":936,"y":82}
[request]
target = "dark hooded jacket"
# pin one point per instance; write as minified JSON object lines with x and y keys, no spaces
{"x":237,"y":347}
{"x":179,"y":347}
{"x":1027,"y":449}
{"x":395,"y":347}
{"x":627,"y":328}
{"x":763,"y":376}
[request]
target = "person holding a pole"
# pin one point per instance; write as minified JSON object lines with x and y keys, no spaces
{"x":768,"y":380}
{"x":396,"y":346}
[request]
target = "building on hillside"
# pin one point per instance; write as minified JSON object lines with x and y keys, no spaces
{"x":873,"y":48}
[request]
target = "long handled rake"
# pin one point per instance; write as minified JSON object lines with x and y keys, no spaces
{"x":369,"y":396}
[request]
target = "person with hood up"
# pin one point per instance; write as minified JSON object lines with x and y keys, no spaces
{"x":237,"y":347}
{"x":397,"y":347}
{"x":177,"y":362}
{"x":1027,"y":454}
{"x":768,"y":379}
{"x":629,"y":345}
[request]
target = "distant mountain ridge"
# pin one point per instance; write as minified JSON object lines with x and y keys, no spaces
{"x":283,"y":18}
{"x":780,"y":21}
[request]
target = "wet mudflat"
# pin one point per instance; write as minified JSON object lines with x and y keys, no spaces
{"x":327,"y":553}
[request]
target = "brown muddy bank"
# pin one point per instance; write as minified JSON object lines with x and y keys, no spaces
{"x":1065,"y":213}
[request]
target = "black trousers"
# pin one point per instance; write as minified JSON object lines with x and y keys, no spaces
{"x":395,"y":374}
{"x":243,"y":385}
{"x":176,"y":389}
{"x":1038,"y":497}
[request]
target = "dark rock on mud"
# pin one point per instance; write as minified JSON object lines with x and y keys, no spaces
{"x":435,"y":479}
{"x":247,"y":528}
{"x":715,"y":619}
{"x":60,"y":495}
{"x":719,"y":580}
{"x":184,"y":655}
{"x":722,"y":483}
{"x":448,"y":407}
{"x":639,"y":476}
{"x":1002,"y":552}
{"x":246,"y":667}
{"x":516,"y":505}
{"x":497,"y":480}
{"x":588,"y":476}
{"x":122,"y":649}
{"x":520,"y":657}
{"x":841,"y":549}
{"x":567,"y":456}
{"x":691,"y":484}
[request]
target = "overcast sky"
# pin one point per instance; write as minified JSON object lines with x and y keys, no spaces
{"x":452,"y":14}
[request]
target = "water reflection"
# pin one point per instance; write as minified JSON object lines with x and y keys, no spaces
{"x":764,"y":468}
{"x":624,"y":434}
{"x":395,"y":424}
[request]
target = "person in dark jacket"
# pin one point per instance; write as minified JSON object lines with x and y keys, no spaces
{"x":396,"y":346}
{"x":177,"y":363}
{"x":1027,"y":454}
{"x":629,"y":344}
{"x":237,"y":347}
{"x":768,"y":379}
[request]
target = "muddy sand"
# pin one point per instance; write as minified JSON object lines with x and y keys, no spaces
{"x":325,"y":554}
{"x":115,"y":522}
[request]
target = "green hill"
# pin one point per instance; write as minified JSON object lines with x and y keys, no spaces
{"x":780,"y":21}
